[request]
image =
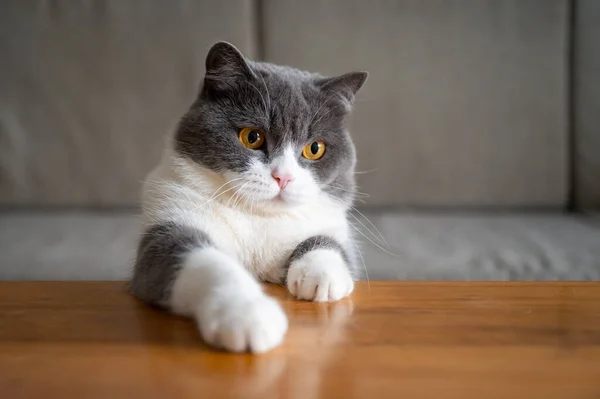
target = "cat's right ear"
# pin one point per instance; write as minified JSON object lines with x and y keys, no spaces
{"x":225,"y":64}
{"x":345,"y":86}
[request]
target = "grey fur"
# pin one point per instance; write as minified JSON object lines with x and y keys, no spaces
{"x":317,"y":242}
{"x":159,"y":257}
{"x":290,"y":106}
{"x":320,"y":242}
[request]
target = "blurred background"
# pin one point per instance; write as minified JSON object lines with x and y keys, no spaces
{"x":478,"y":131}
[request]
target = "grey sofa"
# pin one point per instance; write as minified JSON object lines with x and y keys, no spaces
{"x":478,"y":131}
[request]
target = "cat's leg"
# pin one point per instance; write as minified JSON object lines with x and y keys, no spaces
{"x":319,"y":270}
{"x":178,"y":268}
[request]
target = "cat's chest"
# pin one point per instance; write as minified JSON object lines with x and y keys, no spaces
{"x":264,"y":244}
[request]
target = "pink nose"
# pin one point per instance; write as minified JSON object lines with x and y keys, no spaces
{"x":282,"y":178}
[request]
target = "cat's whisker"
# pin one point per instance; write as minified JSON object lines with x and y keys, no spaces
{"x":355,"y":192}
{"x":248,"y":203}
{"x":244,"y":196}
{"x":253,"y":197}
{"x":363,"y":262}
{"x":267,"y":90}
{"x":245,"y":203}
{"x":240,"y":198}
{"x":212,"y":199}
{"x":328,"y":112}
{"x":235,"y":195}
{"x":364,"y":172}
{"x":223,"y":185}
{"x":318,"y":109}
{"x":371,"y":223}
{"x":232,"y":196}
{"x":226,"y":183}
{"x":245,"y":199}
{"x":261,"y":96}
{"x":209,"y":201}
{"x":373,"y":242}
{"x":252,"y":201}
{"x":382,"y":241}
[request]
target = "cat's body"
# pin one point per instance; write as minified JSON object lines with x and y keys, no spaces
{"x":254,"y":185}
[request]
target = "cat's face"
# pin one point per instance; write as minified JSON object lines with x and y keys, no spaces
{"x":274,"y":133}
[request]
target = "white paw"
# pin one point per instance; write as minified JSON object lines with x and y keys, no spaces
{"x":239,"y":323}
{"x":320,"y":276}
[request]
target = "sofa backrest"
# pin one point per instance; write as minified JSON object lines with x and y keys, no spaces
{"x":468,"y":103}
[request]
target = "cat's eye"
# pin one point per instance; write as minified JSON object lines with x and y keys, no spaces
{"x":251,"y":138}
{"x":314,"y":150}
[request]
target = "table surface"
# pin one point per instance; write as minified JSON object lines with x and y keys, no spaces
{"x":390,"y":339}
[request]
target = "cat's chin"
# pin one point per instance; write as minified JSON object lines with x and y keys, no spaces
{"x":279,"y":204}
{"x":289,"y":201}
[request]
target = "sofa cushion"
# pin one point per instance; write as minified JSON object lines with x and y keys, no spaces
{"x":101,"y":246}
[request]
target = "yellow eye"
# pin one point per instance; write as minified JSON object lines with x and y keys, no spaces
{"x":314,"y":150}
{"x":251,"y":138}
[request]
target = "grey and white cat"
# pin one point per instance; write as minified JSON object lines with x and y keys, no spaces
{"x":254,"y":185}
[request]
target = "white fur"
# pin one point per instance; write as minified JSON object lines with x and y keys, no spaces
{"x":320,"y":275}
{"x":254,"y":227}
{"x":231,"y":310}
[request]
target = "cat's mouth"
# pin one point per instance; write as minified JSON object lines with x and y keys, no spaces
{"x":279,"y":198}
{"x":286,"y":199}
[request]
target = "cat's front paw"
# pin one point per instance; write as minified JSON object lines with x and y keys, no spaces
{"x":238,"y":324}
{"x":320,"y":275}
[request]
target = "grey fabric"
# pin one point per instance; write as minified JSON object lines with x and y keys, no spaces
{"x":465,"y":102}
{"x":101,"y":246}
{"x":587,"y":104}
{"x":89,"y":88}
{"x":486,"y":247}
{"x":67,"y":245}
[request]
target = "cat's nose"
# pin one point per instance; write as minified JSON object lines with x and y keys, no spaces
{"x":282,"y":179}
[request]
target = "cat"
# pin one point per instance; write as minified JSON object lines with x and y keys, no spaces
{"x":255,"y":184}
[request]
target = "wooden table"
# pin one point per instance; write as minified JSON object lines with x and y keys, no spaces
{"x":390,"y":340}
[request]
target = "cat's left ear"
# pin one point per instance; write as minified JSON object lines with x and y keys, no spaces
{"x":225,"y":64}
{"x":345,"y":86}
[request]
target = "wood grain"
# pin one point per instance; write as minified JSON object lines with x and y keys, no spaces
{"x":389,"y":340}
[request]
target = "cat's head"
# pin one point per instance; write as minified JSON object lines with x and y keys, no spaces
{"x":275,"y":133}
